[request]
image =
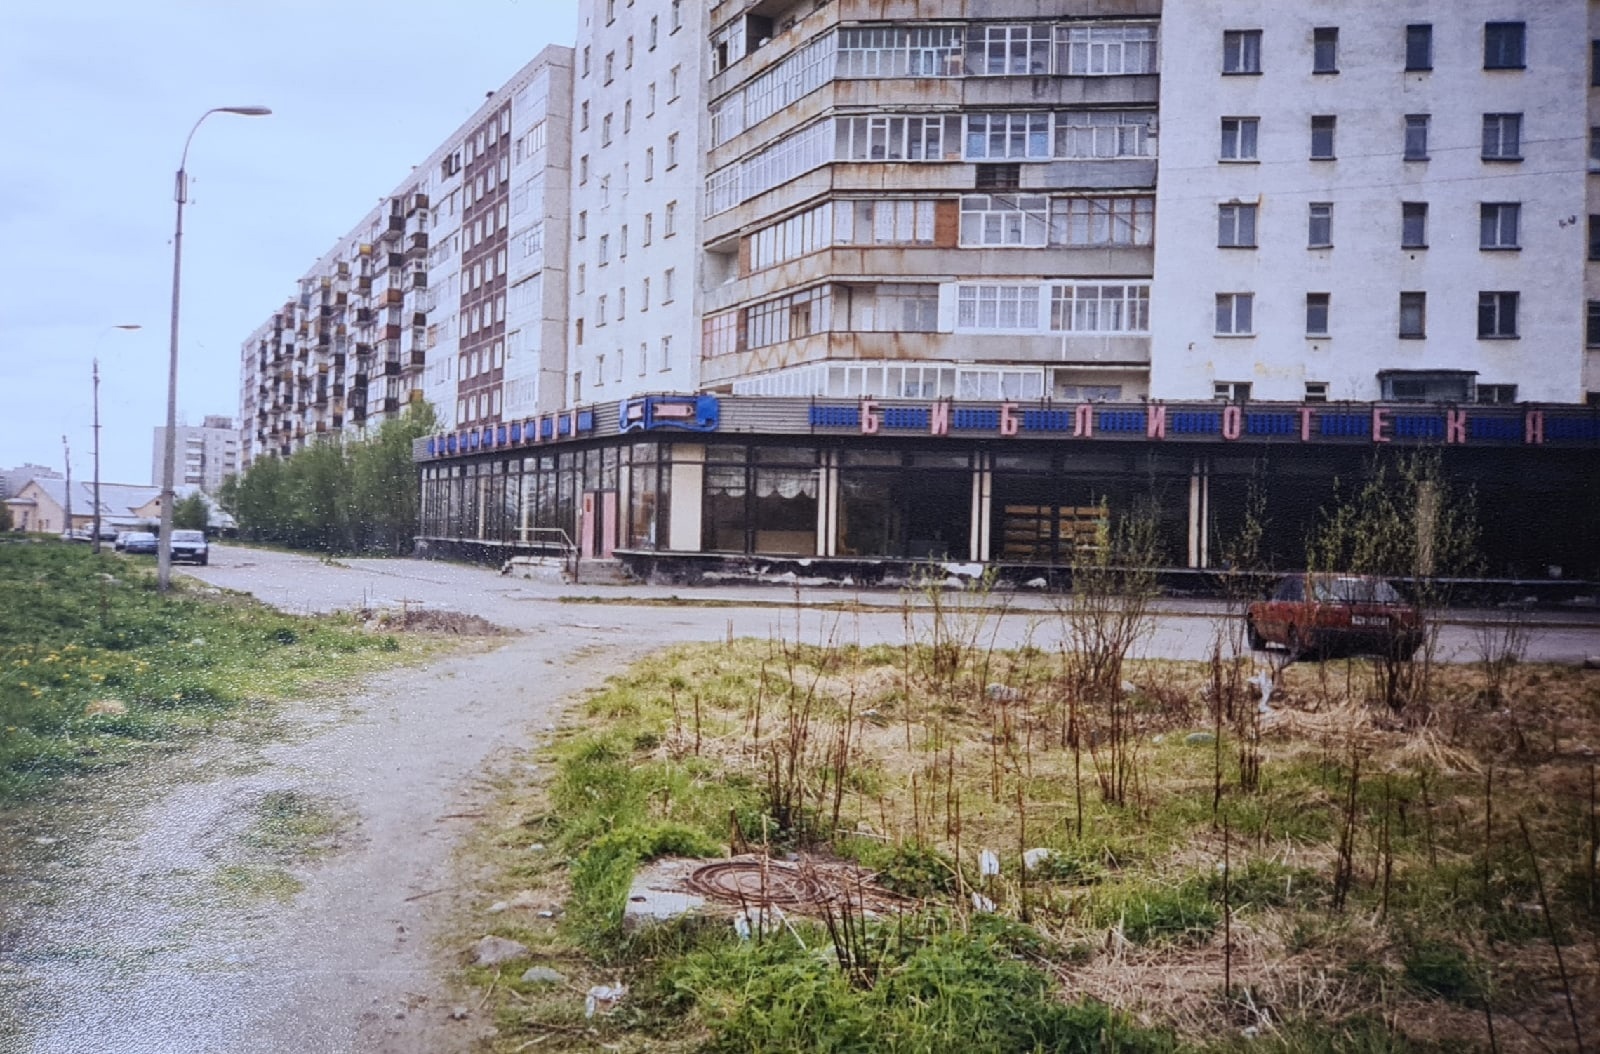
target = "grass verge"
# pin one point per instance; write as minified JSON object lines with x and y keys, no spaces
{"x":98,"y":668}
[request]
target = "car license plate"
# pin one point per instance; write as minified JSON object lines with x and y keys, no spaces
{"x":1368,"y":620}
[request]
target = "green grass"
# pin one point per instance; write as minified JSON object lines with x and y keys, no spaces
{"x":97,"y":667}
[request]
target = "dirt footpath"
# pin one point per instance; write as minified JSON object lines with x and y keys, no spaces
{"x":145,"y":920}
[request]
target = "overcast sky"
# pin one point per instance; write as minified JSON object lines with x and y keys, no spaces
{"x":96,"y":97}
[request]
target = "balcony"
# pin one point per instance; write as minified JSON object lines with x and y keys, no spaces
{"x":417,"y":359}
{"x":419,"y":279}
{"x":391,"y":404}
{"x":391,"y":331}
{"x":391,"y":368}
{"x":392,"y":296}
{"x":417,"y":245}
{"x":394,"y":229}
{"x":358,"y":384}
{"x":418,"y":201}
{"x":396,"y":261}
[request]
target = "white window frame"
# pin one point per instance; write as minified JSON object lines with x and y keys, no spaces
{"x":1235,"y":315}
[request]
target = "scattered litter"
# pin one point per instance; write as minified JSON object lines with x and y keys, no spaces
{"x":988,"y":862}
{"x":459,"y":1013}
{"x":1033,"y":858}
{"x":492,"y":951}
{"x":604,"y":998}
{"x":1196,"y":739}
{"x":543,"y":975}
{"x":982,"y":903}
{"x":1004,"y":693}
{"x":1263,"y":683}
{"x":741,"y":926}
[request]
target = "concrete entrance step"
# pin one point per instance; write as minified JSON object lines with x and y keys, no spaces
{"x":594,"y":571}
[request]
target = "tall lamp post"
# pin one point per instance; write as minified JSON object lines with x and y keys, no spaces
{"x":169,"y":455}
{"x":126,"y":327}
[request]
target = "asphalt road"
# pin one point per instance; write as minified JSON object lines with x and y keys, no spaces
{"x":1179,"y":629}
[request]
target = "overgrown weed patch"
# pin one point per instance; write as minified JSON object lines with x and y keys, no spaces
{"x":1364,"y":884}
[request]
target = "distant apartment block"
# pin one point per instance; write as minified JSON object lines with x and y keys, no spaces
{"x":206,"y":455}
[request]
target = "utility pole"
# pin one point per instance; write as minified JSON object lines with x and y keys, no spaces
{"x":67,"y":450}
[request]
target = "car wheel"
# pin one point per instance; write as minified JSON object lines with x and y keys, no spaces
{"x":1298,"y":646}
{"x":1253,"y":635}
{"x":202,"y":561}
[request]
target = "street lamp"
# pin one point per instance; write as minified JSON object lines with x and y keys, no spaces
{"x":169,"y":455}
{"x":126,"y":327}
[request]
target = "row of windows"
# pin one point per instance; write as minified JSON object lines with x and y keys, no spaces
{"x":611,"y":367}
{"x":1504,"y":48}
{"x":975,"y":137}
{"x":1497,"y":315}
{"x":1502,"y":137}
{"x":1446,"y":387}
{"x":1499,"y":225}
{"x":886,"y":51}
{"x":605,"y":301}
{"x":986,"y":220}
{"x":481,"y":407}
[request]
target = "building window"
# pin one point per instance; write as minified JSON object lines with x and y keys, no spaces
{"x":1239,"y":138}
{"x":1002,"y":50}
{"x":583,"y":169}
{"x":997,"y":177}
{"x":1080,"y":221}
{"x":654,"y":33}
{"x":1316,"y":392}
{"x":1497,"y":394}
{"x":649,"y":163}
{"x":1105,"y":50}
{"x":676,"y":20}
{"x":1413,"y":316}
{"x":644,"y":295}
{"x":1094,"y":308}
{"x":997,"y":307}
{"x":1317,"y":314}
{"x":1322,"y":137}
{"x":605,"y":249}
{"x":610,"y":75}
{"x":583,"y":225}
{"x":1241,"y":51}
{"x":605,"y":130}
{"x":1594,"y":148}
{"x":1594,"y":236}
{"x":666,"y":284}
{"x":1005,"y":220}
{"x":1417,"y":136}
{"x":1325,"y":49}
{"x":1007,"y":136}
{"x":583,"y":116}
{"x":1319,"y":226}
{"x":1497,"y":316}
{"x":1419,"y":46}
{"x":1231,"y":391}
{"x":1591,"y":329}
{"x":1504,"y":45}
{"x":669,"y":224}
{"x":1497,"y":224}
{"x":1502,"y":137}
{"x":666,"y":352}
{"x":1234,"y":311}
{"x":672,"y":150}
{"x":1413,"y":225}
{"x":1236,"y":226}
{"x":1105,"y":133}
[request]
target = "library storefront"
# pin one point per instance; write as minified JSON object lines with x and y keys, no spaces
{"x":680,"y":486}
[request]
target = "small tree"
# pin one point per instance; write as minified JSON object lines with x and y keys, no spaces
{"x":191,"y":513}
{"x":1408,"y":523}
{"x":1105,"y":615}
{"x":5,"y":517}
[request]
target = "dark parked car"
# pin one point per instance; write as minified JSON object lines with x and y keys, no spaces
{"x":190,"y":546}
{"x":1314,"y":614}
{"x":139,"y":542}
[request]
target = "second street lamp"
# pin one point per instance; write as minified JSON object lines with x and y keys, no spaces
{"x":169,"y":454}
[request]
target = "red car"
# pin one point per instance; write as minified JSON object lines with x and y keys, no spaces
{"x":1319,"y":614}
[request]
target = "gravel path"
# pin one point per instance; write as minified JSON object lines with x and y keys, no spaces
{"x":115,"y":934}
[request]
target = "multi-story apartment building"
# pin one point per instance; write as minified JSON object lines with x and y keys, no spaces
{"x":416,"y":302}
{"x":1374,"y":201}
{"x":637,"y":181}
{"x":947,"y":200}
{"x":867,"y":281}
{"x":206,"y":455}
